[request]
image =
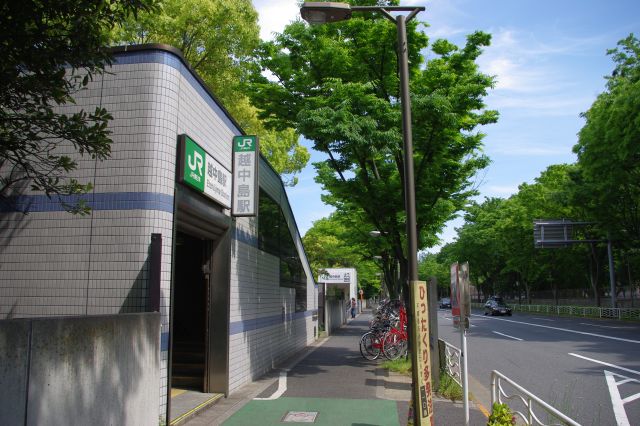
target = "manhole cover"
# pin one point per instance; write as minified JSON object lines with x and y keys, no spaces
{"x":300,"y":417}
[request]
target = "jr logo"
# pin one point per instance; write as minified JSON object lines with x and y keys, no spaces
{"x":196,"y":162}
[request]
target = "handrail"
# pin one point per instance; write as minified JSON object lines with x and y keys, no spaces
{"x":497,"y":394}
{"x":452,"y":362}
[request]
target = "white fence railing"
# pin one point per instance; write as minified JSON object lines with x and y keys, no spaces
{"x":576,"y":311}
{"x":524,"y":403}
{"x":452,"y":362}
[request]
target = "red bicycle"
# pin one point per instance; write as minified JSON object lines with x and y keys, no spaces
{"x":395,"y":342}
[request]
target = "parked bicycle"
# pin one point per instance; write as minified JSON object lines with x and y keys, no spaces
{"x":387,"y":334}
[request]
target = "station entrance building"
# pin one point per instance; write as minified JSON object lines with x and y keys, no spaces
{"x":235,"y":294}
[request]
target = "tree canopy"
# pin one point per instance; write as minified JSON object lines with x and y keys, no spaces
{"x":601,"y":190}
{"x":609,"y":147}
{"x":219,"y":38}
{"x":334,"y":242}
{"x":337,"y":84}
{"x":51,"y":50}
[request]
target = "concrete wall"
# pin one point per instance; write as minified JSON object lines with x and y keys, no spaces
{"x":80,"y":370}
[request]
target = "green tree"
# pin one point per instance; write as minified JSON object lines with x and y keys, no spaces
{"x":337,"y":84}
{"x":51,"y":50}
{"x":431,"y":266}
{"x":497,"y":240}
{"x":218,"y":38}
{"x":480,"y":244}
{"x":333,"y":243}
{"x":608,"y":149}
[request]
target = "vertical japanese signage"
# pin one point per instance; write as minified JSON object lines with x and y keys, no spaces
{"x":455,"y":295}
{"x":460,"y":294}
{"x":421,"y":358}
{"x":465,"y":293}
{"x":202,"y":172}
{"x":245,"y":176}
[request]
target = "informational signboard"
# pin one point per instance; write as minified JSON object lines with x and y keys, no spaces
{"x":455,"y":295}
{"x":461,"y":312}
{"x":464,"y":301}
{"x":245,"y":176}
{"x":422,"y":396}
{"x":460,"y":294}
{"x":336,"y":276}
{"x":202,"y":172}
{"x":553,"y":233}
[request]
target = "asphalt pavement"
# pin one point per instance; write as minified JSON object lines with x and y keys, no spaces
{"x":330,"y":384}
{"x":588,"y":369}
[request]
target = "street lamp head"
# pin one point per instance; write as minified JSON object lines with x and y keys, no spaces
{"x":317,"y":12}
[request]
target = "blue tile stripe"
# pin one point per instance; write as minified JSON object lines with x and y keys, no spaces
{"x":169,"y":59}
{"x":247,"y":325}
{"x":97,"y":201}
{"x":238,"y":327}
{"x":164,"y":341}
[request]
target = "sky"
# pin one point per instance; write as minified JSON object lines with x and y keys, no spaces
{"x":549,"y":59}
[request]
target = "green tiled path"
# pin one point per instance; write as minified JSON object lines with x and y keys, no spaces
{"x":331,"y":412}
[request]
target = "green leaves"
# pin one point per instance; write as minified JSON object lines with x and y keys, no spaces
{"x":333,"y":242}
{"x":338,"y":85}
{"x":220,"y":39}
{"x":51,"y":51}
{"x":608,"y":149}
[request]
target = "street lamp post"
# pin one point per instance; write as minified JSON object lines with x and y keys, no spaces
{"x":326,"y":12}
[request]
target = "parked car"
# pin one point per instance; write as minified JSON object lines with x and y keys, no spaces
{"x":494,"y":307}
{"x":445,"y":302}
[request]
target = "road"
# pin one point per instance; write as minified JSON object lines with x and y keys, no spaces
{"x":587,"y":369}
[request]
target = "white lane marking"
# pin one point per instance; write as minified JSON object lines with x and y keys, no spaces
{"x":565,"y":329}
{"x":605,"y":363}
{"x":616,"y":400}
{"x":282,"y":388}
{"x":506,"y":335}
{"x":543,"y":319}
{"x":605,"y":326}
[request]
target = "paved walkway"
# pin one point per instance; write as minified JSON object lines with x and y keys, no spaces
{"x":331,"y":383}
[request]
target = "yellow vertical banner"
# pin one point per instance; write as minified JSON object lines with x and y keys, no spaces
{"x":422,"y":392}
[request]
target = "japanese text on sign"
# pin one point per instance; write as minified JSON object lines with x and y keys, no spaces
{"x":245,"y":175}
{"x":423,"y":400}
{"x":202,"y":172}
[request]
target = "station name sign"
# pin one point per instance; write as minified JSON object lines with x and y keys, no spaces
{"x":245,"y":176}
{"x":334,"y":277}
{"x":202,"y":172}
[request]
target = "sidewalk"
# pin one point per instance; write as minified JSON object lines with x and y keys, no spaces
{"x":334,"y":385}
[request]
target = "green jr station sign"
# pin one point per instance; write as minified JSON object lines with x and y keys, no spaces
{"x":202,"y":172}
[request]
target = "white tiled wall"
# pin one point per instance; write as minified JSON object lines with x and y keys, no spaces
{"x":55,"y":263}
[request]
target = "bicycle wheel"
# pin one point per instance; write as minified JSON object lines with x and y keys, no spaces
{"x":370,"y":346}
{"x":393,"y":346}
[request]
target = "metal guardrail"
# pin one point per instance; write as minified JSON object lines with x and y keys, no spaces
{"x":528,"y":399}
{"x":452,"y":357}
{"x":576,"y":311}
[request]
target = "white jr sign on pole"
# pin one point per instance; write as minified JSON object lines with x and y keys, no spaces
{"x":245,"y":176}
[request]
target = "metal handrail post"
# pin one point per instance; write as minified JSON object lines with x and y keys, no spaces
{"x":494,"y":393}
